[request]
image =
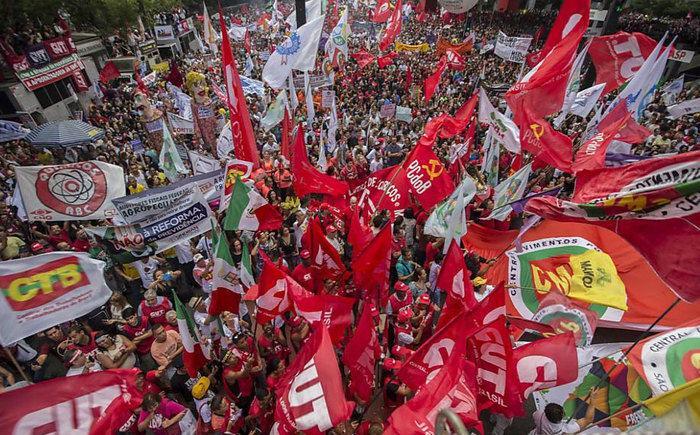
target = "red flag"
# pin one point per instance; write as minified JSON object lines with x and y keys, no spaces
{"x":363,"y":58}
{"x":174,"y":76}
{"x":371,"y":267}
{"x":467,"y":109}
{"x":359,"y":235}
{"x":454,"y":281}
{"x":630,"y":132}
{"x":307,"y":179}
{"x":409,"y":79}
{"x":140,"y":85}
{"x":542,"y":89}
{"x":427,"y":177}
{"x":431,"y":82}
{"x":382,"y":11}
{"x":545,"y":143}
{"x":244,"y":144}
{"x":433,"y":353}
{"x":272,"y":292}
{"x":64,"y":404}
{"x":323,"y":255}
{"x":591,"y":155}
{"x":109,"y":72}
{"x":618,"y":57}
{"x":452,"y":388}
{"x":386,"y":60}
{"x":455,"y":60}
{"x":386,"y":189}
{"x":286,"y":132}
{"x":393,"y":28}
{"x":546,"y":363}
{"x":118,"y":416}
{"x":335,"y":312}
{"x":246,"y":41}
{"x":360,"y":356}
{"x":573,"y":17}
{"x":310,"y":396}
{"x":490,"y":347}
{"x":420,"y":7}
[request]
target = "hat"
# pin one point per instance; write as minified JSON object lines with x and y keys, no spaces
{"x":373,"y":310}
{"x":305,"y":254}
{"x":200,"y":388}
{"x":198,"y":257}
{"x":424,"y":299}
{"x":331,"y":229}
{"x":391,"y":364}
{"x":36,"y":247}
{"x":405,"y":314}
{"x":400,"y":287}
{"x":401,"y":351}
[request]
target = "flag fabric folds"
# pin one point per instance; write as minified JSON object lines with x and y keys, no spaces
{"x":226,"y":285}
{"x":546,"y":363}
{"x":360,"y":355}
{"x":371,"y":266}
{"x":393,"y":27}
{"x":195,"y":354}
{"x":248,"y":210}
{"x":307,"y":179}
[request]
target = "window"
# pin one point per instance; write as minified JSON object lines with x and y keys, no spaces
{"x":54,"y":92}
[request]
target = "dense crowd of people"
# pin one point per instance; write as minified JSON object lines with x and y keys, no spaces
{"x":235,"y":392}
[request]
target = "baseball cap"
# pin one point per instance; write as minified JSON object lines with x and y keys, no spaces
{"x":405,"y":314}
{"x":373,"y":310}
{"x":400,"y":287}
{"x":200,"y":388}
{"x":424,"y":299}
{"x":391,"y":364}
{"x":305,"y":254}
{"x":401,"y":351}
{"x":295,"y":321}
{"x":197,"y":257}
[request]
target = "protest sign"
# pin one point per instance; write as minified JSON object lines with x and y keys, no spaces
{"x":74,"y":191}
{"x":511,"y":48}
{"x":387,"y":110}
{"x":202,"y":164}
{"x":190,"y":216}
{"x":327,"y":97}
{"x":46,"y":290}
{"x":180,"y":125}
{"x":134,"y":208}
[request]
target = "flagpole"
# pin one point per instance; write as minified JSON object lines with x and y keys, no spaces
{"x":17,"y":366}
{"x":641,"y":337}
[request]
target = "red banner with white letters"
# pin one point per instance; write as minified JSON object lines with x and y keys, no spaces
{"x":427,"y":177}
{"x":618,"y":57}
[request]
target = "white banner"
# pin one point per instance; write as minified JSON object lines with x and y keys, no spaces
{"x":135,"y":208}
{"x":684,"y":56}
{"x":76,"y":191}
{"x":511,"y":48}
{"x":685,"y":108}
{"x":457,"y":6}
{"x":586,"y":99}
{"x":180,"y":125}
{"x":202,"y":164}
{"x":189,"y":217}
{"x":48,"y":289}
{"x":404,"y":114}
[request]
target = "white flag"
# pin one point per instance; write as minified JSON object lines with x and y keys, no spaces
{"x":509,"y":190}
{"x":308,"y":93}
{"x":293,"y":100}
{"x":338,"y":40}
{"x":298,"y":52}
{"x":313,"y":10}
{"x":672,"y":90}
{"x":572,"y":86}
{"x":457,"y":221}
{"x":275,"y":113}
{"x":209,"y":33}
{"x":685,"y":108}
{"x":503,"y":130}
{"x":322,"y":163}
{"x":237,"y":32}
{"x":586,"y":99}
{"x":202,"y":164}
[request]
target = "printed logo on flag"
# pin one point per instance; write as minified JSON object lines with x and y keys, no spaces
{"x":77,"y":189}
{"x":537,"y":130}
{"x":672,"y":359}
{"x":40,"y":285}
{"x":531,"y":281}
{"x":565,"y":319}
{"x":417,"y":173}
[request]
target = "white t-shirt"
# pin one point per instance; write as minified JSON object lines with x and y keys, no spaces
{"x":184,"y":252}
{"x":545,"y":427}
{"x":146,"y":270}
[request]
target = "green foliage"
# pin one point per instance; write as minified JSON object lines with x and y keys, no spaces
{"x":674,"y":8}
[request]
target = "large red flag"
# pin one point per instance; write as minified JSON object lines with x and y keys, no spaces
{"x":360,"y":356}
{"x":629,"y":132}
{"x":310,"y":396}
{"x":386,"y":60}
{"x":431,"y":82}
{"x":62,"y":405}
{"x":539,"y":138}
{"x":546,"y":363}
{"x":591,"y":155}
{"x":244,"y":144}
{"x":271,"y":295}
{"x":542,"y":89}
{"x":429,"y":358}
{"x":363,"y":58}
{"x":499,"y":388}
{"x":109,"y":72}
{"x":359,"y":235}
{"x":324,"y":256}
{"x":285,"y":149}
{"x":381,"y":12}
{"x":454,"y":281}
{"x":427,"y":177}
{"x":618,"y":57}
{"x":573,"y":17}
{"x":386,"y":189}
{"x":335,"y":312}
{"x":467,"y":109}
{"x":452,"y":388}
{"x":393,"y":27}
{"x":371,"y":267}
{"x":455,"y":60}
{"x":307,"y":179}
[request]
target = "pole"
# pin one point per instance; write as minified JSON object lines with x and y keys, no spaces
{"x":300,"y":6}
{"x":17,"y":366}
{"x":642,"y":336}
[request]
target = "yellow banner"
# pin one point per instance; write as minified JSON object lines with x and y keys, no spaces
{"x":424,"y":47}
{"x":162,"y":67}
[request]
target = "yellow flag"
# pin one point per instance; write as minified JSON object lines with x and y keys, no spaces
{"x":660,"y":405}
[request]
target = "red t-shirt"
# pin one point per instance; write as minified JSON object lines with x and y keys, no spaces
{"x":156,"y":313}
{"x":142,"y":328}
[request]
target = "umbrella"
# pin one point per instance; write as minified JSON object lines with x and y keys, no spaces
{"x":64,"y":133}
{"x":10,"y":130}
